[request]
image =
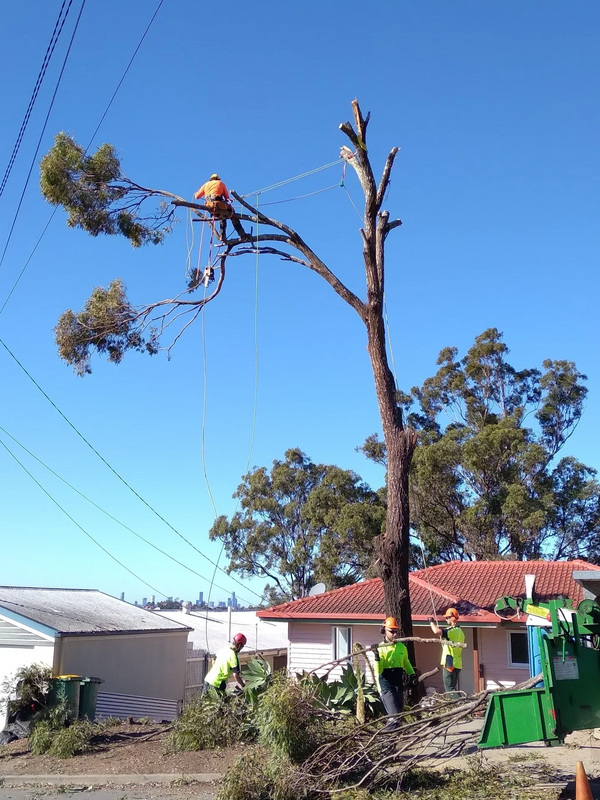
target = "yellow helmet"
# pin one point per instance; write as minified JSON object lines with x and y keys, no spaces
{"x":214,"y":177}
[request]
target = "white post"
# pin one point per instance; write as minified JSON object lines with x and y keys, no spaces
{"x":229,"y":620}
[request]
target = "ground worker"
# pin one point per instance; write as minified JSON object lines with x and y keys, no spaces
{"x":451,"y":656}
{"x":226,"y":663}
{"x":391,"y":662}
{"x":217,"y":200}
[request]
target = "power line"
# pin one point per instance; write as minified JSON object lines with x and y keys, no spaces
{"x":110,"y":516}
{"x":83,"y":530}
{"x":113,"y":470}
{"x":37,"y":149}
{"x":106,"y":110}
{"x":58,"y":26}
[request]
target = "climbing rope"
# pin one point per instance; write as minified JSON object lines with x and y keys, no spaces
{"x":254,"y":414}
{"x":428,"y":583}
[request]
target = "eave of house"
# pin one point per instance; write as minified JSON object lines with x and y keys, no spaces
{"x":27,"y":624}
{"x":484,"y":619}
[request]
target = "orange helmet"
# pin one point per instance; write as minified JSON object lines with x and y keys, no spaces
{"x":390,"y":623}
{"x":451,"y":612}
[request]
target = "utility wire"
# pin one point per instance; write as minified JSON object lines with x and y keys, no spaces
{"x":58,"y":26}
{"x":83,"y":530}
{"x":112,"y":469}
{"x":37,"y":149}
{"x":106,"y":110}
{"x":110,"y":516}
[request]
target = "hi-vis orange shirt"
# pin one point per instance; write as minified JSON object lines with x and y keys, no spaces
{"x":212,"y":189}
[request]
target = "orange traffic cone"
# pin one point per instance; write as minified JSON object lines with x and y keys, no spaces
{"x":582,"y":785}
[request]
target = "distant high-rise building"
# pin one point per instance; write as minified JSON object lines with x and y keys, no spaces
{"x":222,"y":604}
{"x":233,"y":601}
{"x":144,"y":601}
{"x":200,"y":598}
{"x":212,"y":604}
{"x":122,"y":595}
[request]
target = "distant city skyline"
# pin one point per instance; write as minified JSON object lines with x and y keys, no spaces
{"x":231,"y":602}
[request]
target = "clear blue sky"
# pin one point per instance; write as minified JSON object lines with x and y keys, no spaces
{"x":495,"y":108}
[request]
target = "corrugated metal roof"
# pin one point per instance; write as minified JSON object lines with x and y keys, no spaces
{"x":261,"y":635}
{"x":81,"y":611}
{"x":476,"y":583}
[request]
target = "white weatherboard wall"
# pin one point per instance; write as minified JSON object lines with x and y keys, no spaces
{"x":21,"y":647}
{"x":310,"y":645}
{"x":493,"y":654}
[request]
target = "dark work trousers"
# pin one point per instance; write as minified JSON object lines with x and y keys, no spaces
{"x":391,"y":690}
{"x":206,"y":687}
{"x":450,"y":679}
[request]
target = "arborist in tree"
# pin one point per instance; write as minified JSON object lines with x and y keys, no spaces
{"x":391,"y":662}
{"x":451,"y":656}
{"x":227,"y":663}
{"x":217,"y":200}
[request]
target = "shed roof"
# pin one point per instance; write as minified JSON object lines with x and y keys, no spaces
{"x":81,"y":611}
{"x":261,"y":635}
{"x":472,"y":585}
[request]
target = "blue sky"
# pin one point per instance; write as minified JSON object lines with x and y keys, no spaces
{"x":494,"y":106}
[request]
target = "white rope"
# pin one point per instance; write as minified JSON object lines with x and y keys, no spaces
{"x":290,"y":180}
{"x":428,"y":583}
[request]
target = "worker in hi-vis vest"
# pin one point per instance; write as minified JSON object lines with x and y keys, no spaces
{"x":451,"y":656}
{"x":227,"y":663}
{"x":391,"y":662}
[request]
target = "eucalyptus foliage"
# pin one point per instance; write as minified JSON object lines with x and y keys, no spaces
{"x":299,"y":524}
{"x":486,"y":481}
{"x":107,"y":323}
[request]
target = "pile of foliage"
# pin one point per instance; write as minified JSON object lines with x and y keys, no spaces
{"x":211,"y":721}
{"x":27,"y":690}
{"x":54,"y":734}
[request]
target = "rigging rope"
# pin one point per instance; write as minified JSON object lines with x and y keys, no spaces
{"x":428,"y":583}
{"x":254,"y":415}
{"x":290,"y":180}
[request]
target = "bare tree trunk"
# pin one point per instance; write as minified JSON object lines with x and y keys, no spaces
{"x":400,"y":443}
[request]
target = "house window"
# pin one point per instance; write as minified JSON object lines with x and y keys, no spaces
{"x":518,"y":649}
{"x":342,"y":642}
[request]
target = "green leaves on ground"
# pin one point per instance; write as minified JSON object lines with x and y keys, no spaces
{"x":299,"y":524}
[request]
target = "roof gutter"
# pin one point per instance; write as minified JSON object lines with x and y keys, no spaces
{"x":66,"y":634}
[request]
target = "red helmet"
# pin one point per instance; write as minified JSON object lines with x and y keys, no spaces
{"x":240,"y":639}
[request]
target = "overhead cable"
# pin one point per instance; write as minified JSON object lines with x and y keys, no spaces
{"x":37,"y":149}
{"x":83,"y":530}
{"x":105,"y":112}
{"x":112,"y":469}
{"x":58,"y":26}
{"x":110,"y":516}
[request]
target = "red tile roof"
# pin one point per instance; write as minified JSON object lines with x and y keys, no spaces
{"x":477,"y":584}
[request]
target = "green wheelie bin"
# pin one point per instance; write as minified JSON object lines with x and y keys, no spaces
{"x":88,"y":697}
{"x":66,"y":688}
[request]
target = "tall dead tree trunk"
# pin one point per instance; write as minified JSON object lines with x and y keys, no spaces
{"x":120,"y":202}
{"x":400,"y":441}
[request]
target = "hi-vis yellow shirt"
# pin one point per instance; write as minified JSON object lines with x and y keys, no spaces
{"x":453,"y":635}
{"x":392,"y":655}
{"x":226,"y":662}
